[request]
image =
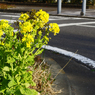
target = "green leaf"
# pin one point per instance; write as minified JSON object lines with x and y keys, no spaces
{"x":22,"y":90}
{"x":18,"y":79}
{"x":26,"y":85}
{"x":11,"y":83}
{"x":31,"y":92}
{"x":22,"y":49}
{"x":30,"y":58}
{"x":10,"y":91}
{"x":17,"y":92}
{"x":39,"y":52}
{"x":33,"y":83}
{"x":8,"y":51}
{"x":28,"y":91}
{"x":10,"y":60}
{"x":10,"y":78}
{"x":6,"y":68}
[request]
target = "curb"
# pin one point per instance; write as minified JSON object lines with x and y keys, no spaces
{"x":13,"y":11}
{"x":62,"y":81}
{"x":72,"y":16}
{"x":19,"y":11}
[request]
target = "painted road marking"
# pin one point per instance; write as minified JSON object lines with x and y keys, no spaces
{"x":86,"y":26}
{"x":79,"y":57}
{"x":10,"y":15}
{"x":10,"y":21}
{"x":71,"y":24}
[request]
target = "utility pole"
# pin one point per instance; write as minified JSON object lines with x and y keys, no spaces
{"x":59,"y":5}
{"x":83,"y":8}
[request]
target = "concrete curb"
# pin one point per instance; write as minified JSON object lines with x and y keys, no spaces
{"x":62,"y":81}
{"x":24,"y":11}
{"x":72,"y":16}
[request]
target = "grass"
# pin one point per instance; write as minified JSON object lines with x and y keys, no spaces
{"x":42,"y":77}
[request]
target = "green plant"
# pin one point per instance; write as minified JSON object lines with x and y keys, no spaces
{"x":18,"y":50}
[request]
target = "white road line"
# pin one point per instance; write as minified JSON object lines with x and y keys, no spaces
{"x":10,"y":15}
{"x":86,"y":26}
{"x":81,"y":58}
{"x":71,"y":24}
{"x":15,"y":30}
{"x":10,"y":21}
{"x":54,"y":19}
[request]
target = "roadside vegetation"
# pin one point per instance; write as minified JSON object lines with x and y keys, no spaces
{"x":22,"y":71}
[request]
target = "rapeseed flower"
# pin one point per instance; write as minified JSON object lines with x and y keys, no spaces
{"x":1,"y":33}
{"x":4,"y":21}
{"x":28,"y":39}
{"x":54,"y":28}
{"x":28,"y":44}
{"x":24,"y":17}
{"x":42,"y":15}
{"x":26,"y":27}
{"x":4,"y":24}
{"x":1,"y":43}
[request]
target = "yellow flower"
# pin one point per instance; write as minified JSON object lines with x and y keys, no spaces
{"x":54,"y":28}
{"x":4,"y":24}
{"x":4,"y":21}
{"x":23,"y":39}
{"x":46,"y":38}
{"x":42,"y":15}
{"x":40,"y":32}
{"x":24,"y":17}
{"x":26,"y":27}
{"x":1,"y":33}
{"x":12,"y":33}
{"x":30,"y":38}
{"x":1,"y":43}
{"x":28,"y":44}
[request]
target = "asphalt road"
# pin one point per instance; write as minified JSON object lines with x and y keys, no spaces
{"x":81,"y":78}
{"x":76,"y":37}
{"x":76,"y":34}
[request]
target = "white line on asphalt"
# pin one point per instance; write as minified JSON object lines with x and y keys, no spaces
{"x":15,"y":30}
{"x":10,"y":21}
{"x":86,"y":26}
{"x":10,"y":15}
{"x":79,"y":57}
{"x":55,"y":19}
{"x":71,"y":24}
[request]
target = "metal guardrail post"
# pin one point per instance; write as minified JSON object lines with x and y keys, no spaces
{"x":83,"y":8}
{"x":59,"y":6}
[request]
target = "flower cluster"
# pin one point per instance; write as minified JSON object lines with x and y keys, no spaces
{"x":4,"y":24}
{"x":42,"y":17}
{"x":54,"y":28}
{"x":5,"y":28}
{"x":1,"y":33}
{"x":26,"y":27}
{"x":24,"y":17}
{"x":28,"y":39}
